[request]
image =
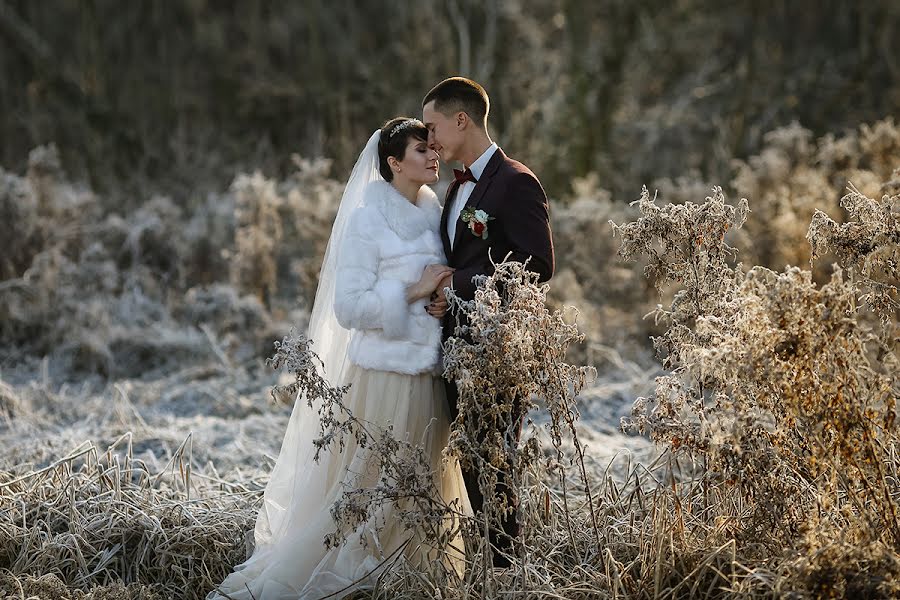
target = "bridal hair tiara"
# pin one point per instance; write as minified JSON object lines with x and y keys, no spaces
{"x":403,"y":125}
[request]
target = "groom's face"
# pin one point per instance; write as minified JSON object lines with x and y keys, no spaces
{"x":444,"y":136}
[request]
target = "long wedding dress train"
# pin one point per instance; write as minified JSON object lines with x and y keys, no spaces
{"x":290,"y":560}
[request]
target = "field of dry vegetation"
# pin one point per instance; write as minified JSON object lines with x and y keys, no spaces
{"x":747,"y":336}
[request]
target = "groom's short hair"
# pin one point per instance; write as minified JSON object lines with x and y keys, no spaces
{"x":459,"y":94}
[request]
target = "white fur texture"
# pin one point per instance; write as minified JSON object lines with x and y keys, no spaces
{"x":388,"y":242}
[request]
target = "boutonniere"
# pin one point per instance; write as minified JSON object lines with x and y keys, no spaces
{"x":477,"y":220}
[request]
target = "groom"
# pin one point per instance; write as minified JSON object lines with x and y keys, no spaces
{"x":513,"y":218}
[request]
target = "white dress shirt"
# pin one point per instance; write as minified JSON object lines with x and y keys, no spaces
{"x":465,"y":191}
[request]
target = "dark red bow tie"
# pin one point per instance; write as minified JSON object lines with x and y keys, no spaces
{"x":464,"y":176}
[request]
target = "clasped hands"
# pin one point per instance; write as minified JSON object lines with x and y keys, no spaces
{"x":431,"y":285}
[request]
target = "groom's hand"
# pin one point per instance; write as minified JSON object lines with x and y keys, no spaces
{"x":438,"y":306}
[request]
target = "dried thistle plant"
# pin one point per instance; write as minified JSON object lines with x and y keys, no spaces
{"x":294,"y":355}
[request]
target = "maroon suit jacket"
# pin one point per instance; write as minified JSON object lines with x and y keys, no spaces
{"x":509,"y":192}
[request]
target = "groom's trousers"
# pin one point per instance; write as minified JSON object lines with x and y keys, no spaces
{"x":503,"y":538}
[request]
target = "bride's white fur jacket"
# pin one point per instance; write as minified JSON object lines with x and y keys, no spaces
{"x":387,"y":244}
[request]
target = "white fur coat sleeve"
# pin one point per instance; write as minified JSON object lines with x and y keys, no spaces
{"x":362,"y":300}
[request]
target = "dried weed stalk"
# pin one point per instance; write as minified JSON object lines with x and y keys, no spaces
{"x":509,"y":351}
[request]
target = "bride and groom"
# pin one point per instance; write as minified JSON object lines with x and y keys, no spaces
{"x":378,"y":321}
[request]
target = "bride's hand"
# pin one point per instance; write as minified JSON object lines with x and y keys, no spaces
{"x":433,"y":275}
{"x":428,"y":282}
{"x":439,"y":305}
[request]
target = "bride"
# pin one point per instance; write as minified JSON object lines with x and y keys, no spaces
{"x":373,"y":326}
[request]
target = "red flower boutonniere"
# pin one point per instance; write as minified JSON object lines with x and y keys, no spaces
{"x":477,"y":220}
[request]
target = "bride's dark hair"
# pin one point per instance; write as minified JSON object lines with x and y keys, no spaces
{"x":395,"y":135}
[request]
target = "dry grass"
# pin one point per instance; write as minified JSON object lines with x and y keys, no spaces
{"x":99,"y":518}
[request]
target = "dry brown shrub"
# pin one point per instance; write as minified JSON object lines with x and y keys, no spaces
{"x":83,"y":284}
{"x":281,"y":230}
{"x":781,"y":397}
{"x":509,"y":351}
{"x":793,"y":177}
{"x":82,"y":269}
{"x":786,"y":188}
{"x":9,"y":402}
{"x":880,"y":146}
{"x":868,"y":244}
{"x":311,"y":202}
{"x":154,"y":243}
{"x":18,"y":225}
{"x":257,"y":234}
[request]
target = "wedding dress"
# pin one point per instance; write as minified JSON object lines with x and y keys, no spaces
{"x":365,"y":332}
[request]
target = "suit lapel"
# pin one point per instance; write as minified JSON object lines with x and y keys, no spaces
{"x":445,"y":215}
{"x":480,"y":190}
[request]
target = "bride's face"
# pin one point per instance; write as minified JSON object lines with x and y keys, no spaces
{"x":420,"y":163}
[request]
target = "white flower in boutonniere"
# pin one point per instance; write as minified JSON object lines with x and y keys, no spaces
{"x":477,"y":220}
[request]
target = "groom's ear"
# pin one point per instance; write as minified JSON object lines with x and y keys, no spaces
{"x":462,"y":119}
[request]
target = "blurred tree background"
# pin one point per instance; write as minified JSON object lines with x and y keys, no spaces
{"x":177,"y":96}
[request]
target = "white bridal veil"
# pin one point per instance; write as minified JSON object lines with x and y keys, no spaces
{"x":330,"y":340}
{"x":292,"y":477}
